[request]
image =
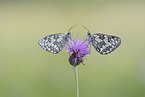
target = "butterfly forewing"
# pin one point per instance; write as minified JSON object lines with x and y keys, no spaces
{"x":53,"y":43}
{"x":105,"y":44}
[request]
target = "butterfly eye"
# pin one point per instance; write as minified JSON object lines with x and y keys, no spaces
{"x":89,"y":33}
{"x":68,"y":33}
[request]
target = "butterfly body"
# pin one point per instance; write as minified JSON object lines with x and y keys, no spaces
{"x":104,"y":43}
{"x":54,"y":43}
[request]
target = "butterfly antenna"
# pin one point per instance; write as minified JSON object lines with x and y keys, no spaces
{"x":71,"y":28}
{"x":86,"y":28}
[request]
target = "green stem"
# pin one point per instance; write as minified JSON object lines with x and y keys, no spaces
{"x":76,"y":78}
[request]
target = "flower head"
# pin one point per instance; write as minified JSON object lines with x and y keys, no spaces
{"x":78,"y":50}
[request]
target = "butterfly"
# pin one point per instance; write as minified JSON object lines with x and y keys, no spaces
{"x":54,"y":43}
{"x":103,"y":43}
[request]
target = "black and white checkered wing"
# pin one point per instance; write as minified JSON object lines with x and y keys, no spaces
{"x":105,"y":44}
{"x":53,"y":43}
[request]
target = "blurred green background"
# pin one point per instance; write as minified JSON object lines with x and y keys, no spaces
{"x":26,"y":70}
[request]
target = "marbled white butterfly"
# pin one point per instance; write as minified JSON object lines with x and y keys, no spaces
{"x":54,"y":43}
{"x":103,"y":43}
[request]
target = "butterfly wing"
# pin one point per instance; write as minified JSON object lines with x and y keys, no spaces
{"x":53,"y":43}
{"x":105,"y":44}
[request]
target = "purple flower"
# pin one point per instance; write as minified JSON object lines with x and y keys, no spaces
{"x":78,"y":50}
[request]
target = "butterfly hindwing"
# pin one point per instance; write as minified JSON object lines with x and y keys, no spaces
{"x":105,"y":44}
{"x":53,"y":43}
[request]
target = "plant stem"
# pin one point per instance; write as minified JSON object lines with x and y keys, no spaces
{"x":76,"y":79}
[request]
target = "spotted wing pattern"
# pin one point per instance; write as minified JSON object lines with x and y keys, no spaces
{"x":53,"y":43}
{"x":105,"y":44}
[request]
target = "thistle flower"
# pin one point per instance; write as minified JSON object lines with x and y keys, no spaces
{"x":78,"y":49}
